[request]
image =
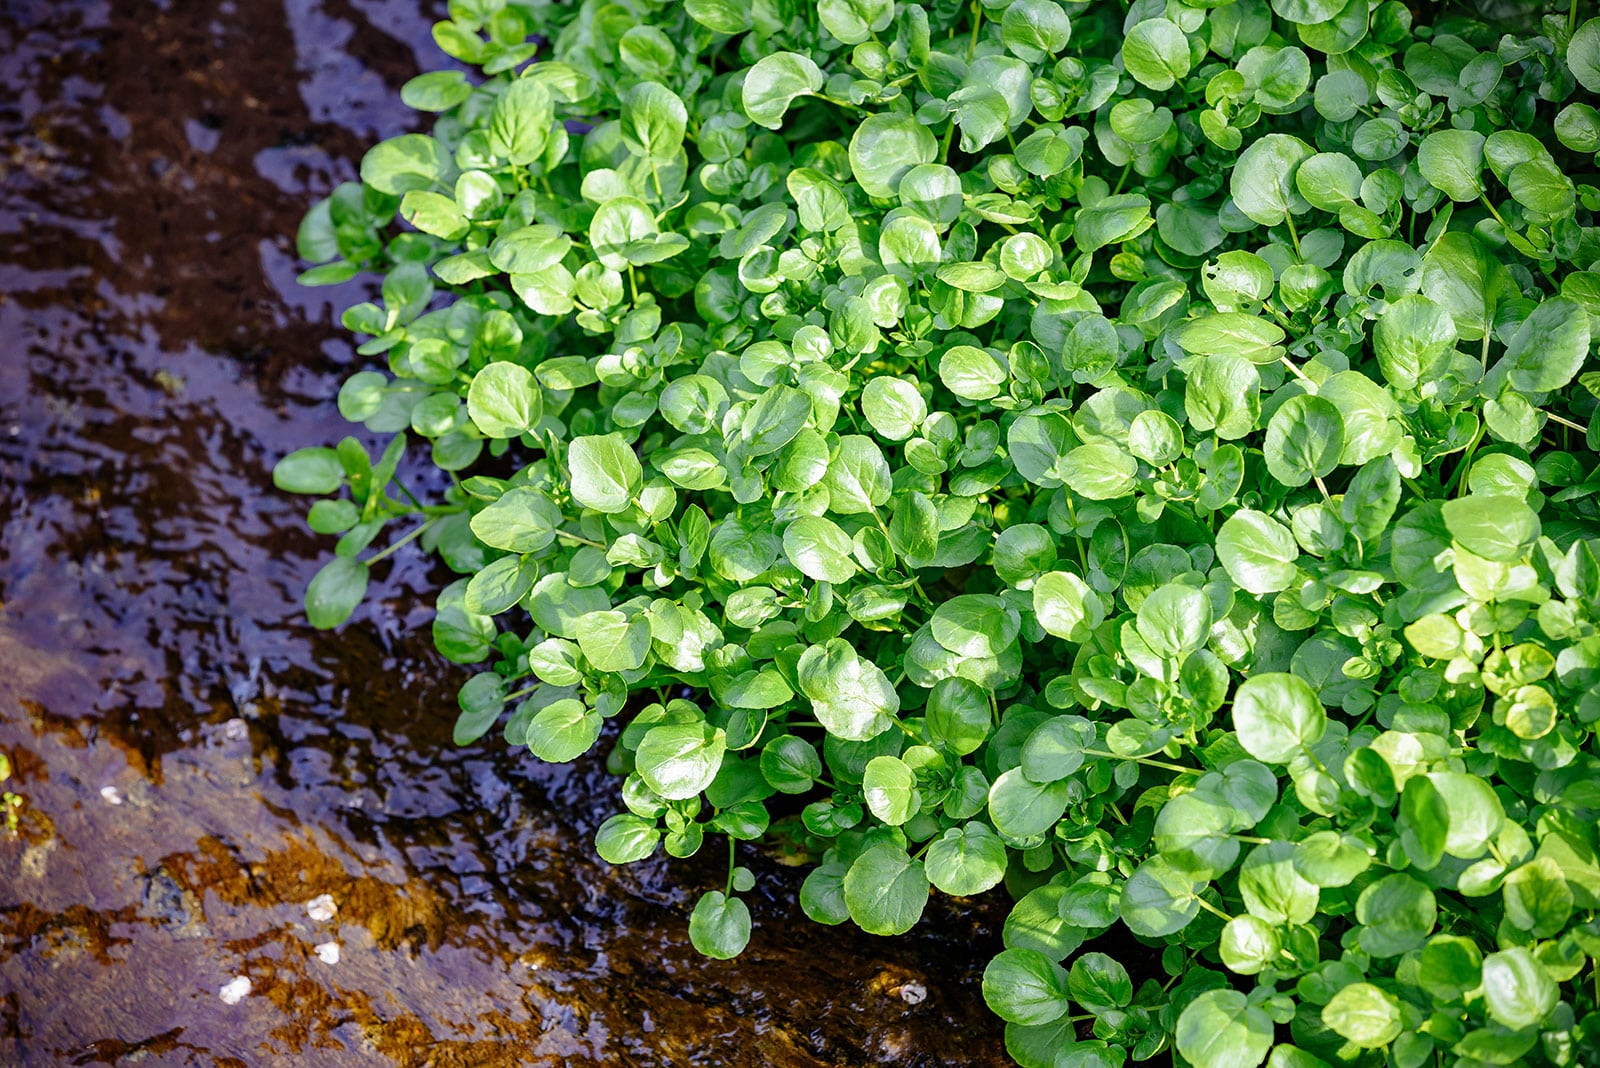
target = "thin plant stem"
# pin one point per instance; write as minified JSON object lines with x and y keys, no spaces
{"x":415,"y":534}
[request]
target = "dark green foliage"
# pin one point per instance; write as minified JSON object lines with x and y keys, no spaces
{"x":1141,"y":456}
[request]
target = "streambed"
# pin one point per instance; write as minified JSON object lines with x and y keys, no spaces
{"x":196,"y":764}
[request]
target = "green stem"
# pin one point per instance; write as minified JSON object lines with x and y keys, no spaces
{"x":1123,"y":177}
{"x":438,"y":510}
{"x":579,"y":539}
{"x":1083,"y":559}
{"x":1179,"y":768}
{"x":1458,"y":477}
{"x":1568,"y":423}
{"x":412,"y":497}
{"x":977,"y":23}
{"x":1209,"y":907}
{"x":728,"y":890}
{"x":923,"y":599}
{"x":1501,"y":219}
{"x":396,"y":545}
{"x":1301,"y":375}
{"x":1294,"y":238}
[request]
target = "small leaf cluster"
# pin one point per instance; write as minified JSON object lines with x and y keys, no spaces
{"x":1139,"y":456}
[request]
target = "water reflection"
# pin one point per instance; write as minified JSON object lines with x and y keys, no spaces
{"x":197,"y":764}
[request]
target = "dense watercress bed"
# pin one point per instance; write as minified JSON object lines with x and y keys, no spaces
{"x":1143,"y":459}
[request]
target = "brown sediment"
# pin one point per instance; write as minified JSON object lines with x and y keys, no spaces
{"x":196,"y":763}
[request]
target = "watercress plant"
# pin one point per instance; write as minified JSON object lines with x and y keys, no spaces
{"x":1141,"y":457}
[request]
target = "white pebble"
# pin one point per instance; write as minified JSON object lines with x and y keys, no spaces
{"x":235,"y":990}
{"x":913,"y":993}
{"x":111,"y":794}
{"x":329,"y":952}
{"x":322,"y":908}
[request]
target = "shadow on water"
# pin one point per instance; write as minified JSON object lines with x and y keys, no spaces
{"x":198,"y":764}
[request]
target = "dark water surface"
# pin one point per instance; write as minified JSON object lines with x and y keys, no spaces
{"x":196,"y":763}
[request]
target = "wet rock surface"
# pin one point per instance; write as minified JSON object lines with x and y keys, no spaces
{"x":196,"y":764}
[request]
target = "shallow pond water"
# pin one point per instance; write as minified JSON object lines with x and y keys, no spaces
{"x":196,"y":764}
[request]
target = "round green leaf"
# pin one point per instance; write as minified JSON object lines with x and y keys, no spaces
{"x":1159,"y":899}
{"x":966,"y":860}
{"x":958,"y":714}
{"x":1249,"y":944}
{"x":1496,"y":527}
{"x":1328,"y":858}
{"x":1398,"y":914}
{"x":1258,"y":552}
{"x":1035,"y":29}
{"x":885,"y":890}
{"x":893,"y":406}
{"x":335,"y":591}
{"x":503,"y":400}
{"x":410,"y":161}
{"x":772,"y":84}
{"x":971,"y":373}
{"x":1021,"y":808}
{"x":884,"y":147}
{"x":976,"y":625}
{"x":1222,"y":1029}
{"x":522,"y":520}
{"x":1583,"y":55}
{"x":1305,"y":438}
{"x":1364,"y":1015}
{"x":625,"y":838}
{"x":851,"y":697}
{"x":719,"y":926}
{"x":1156,"y":53}
{"x":1025,"y":987}
{"x":1452,"y":162}
{"x":1262,"y":182}
{"x":563,"y":730}
{"x":790,"y":764}
{"x":520,"y":125}
{"x":679,"y":760}
{"x":1277,"y":715}
{"x":653,"y":121}
{"x":819,"y":549}
{"x":1517,"y":989}
{"x":890,"y":789}
{"x":313,"y":470}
